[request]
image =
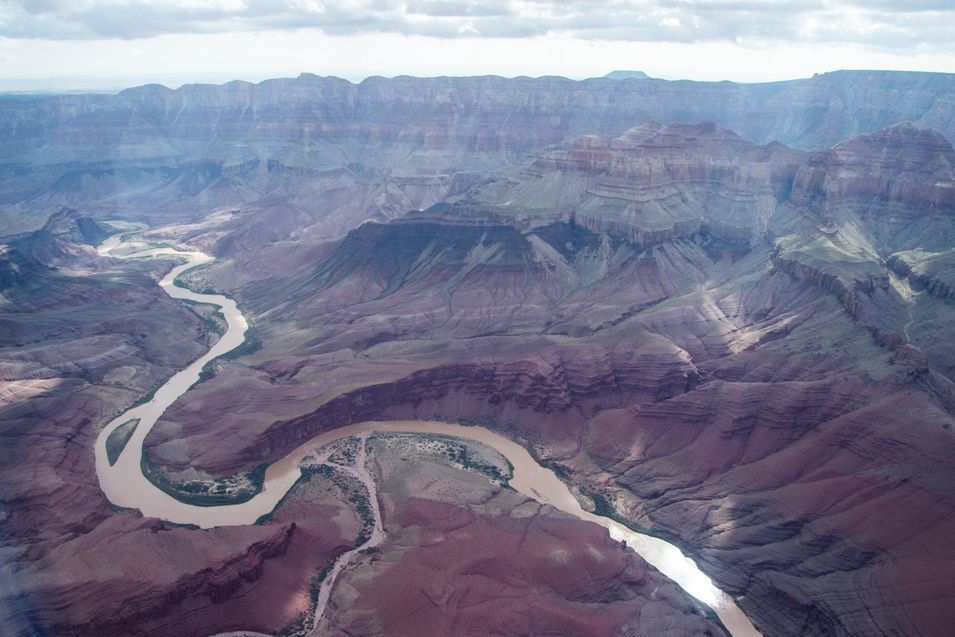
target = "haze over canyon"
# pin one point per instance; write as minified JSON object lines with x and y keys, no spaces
{"x":722,"y":314}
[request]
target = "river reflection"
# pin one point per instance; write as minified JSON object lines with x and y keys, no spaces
{"x":126,"y":486}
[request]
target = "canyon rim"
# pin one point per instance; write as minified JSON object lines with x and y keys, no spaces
{"x":466,"y":355}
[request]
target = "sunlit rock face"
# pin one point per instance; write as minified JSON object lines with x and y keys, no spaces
{"x":454,"y":538}
{"x":392,"y":144}
{"x":672,"y":317}
{"x":724,"y":310}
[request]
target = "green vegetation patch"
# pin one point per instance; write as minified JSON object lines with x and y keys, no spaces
{"x":458,"y":453}
{"x":605,"y":508}
{"x":324,"y":471}
{"x":250,"y":345}
{"x":208,"y":493}
{"x":145,"y":398}
{"x":213,"y":321}
{"x":117,"y":439}
{"x":193,"y":280}
{"x":303,"y":624}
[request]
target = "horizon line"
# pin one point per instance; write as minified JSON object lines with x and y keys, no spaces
{"x":119,"y":84}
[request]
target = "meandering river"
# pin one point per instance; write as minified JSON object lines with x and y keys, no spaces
{"x":126,"y":486}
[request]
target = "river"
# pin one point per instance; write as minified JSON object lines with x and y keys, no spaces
{"x":126,"y":486}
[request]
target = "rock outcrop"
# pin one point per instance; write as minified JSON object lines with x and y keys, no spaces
{"x":67,"y":239}
{"x":905,"y":171}
{"x":724,"y":342}
{"x":462,"y":552}
{"x":75,"y":350}
{"x":760,"y":324}
{"x":176,"y":155}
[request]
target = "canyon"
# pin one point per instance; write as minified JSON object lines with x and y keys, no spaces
{"x":722,"y":313}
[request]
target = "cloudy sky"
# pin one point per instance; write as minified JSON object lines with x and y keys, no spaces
{"x":66,"y":44}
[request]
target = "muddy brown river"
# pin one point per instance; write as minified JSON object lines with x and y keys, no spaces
{"x":126,"y":486}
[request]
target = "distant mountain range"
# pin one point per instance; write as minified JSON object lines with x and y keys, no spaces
{"x":722,"y":312}
{"x":146,"y":146}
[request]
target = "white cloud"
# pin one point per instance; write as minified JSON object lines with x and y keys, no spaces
{"x":182,"y":58}
{"x":875,"y":23}
{"x":96,"y":43}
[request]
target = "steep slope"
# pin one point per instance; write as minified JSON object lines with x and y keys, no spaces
{"x":176,"y":155}
{"x":74,"y":351}
{"x":535,"y":111}
{"x":66,"y":239}
{"x":746,"y":348}
{"x":462,"y":552}
{"x":702,"y":333}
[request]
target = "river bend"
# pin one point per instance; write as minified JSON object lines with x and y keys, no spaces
{"x":126,"y":486}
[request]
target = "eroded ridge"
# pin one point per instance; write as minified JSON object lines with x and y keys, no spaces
{"x":125,"y":484}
